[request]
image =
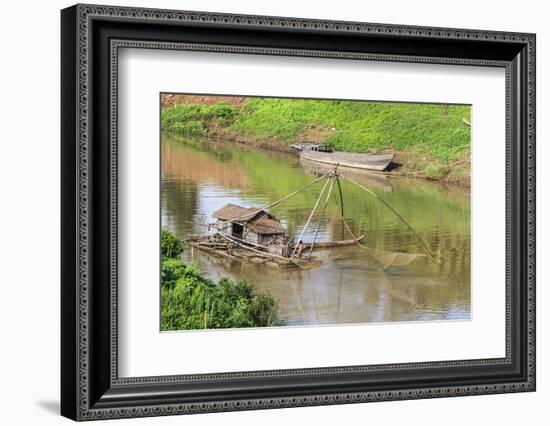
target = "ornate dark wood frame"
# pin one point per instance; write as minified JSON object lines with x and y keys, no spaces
{"x":91,"y":37}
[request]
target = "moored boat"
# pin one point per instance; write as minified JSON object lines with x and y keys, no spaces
{"x":337,"y":243}
{"x":377,"y":162}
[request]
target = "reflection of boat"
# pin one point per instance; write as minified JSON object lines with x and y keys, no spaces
{"x":378,"y":162}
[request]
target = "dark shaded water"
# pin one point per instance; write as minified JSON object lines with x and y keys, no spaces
{"x":353,"y":285}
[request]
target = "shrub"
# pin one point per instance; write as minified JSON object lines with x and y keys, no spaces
{"x":223,"y":113}
{"x":191,"y":301}
{"x":170,"y":246}
{"x":171,"y":270}
{"x":194,"y":119}
{"x":190,"y":128}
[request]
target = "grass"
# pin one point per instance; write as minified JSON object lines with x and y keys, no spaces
{"x":190,"y":301}
{"x":433,"y":133}
{"x":195,"y":119}
{"x":436,"y":130}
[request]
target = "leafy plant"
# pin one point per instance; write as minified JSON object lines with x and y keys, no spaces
{"x":195,"y":119}
{"x":170,"y":246}
{"x":192,"y":301}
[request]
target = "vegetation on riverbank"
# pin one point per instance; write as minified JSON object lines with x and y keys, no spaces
{"x":430,"y":140}
{"x":196,"y":119}
{"x":191,"y":301}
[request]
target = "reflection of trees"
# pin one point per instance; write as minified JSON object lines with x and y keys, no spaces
{"x":184,"y":167}
{"x":187,"y":164}
{"x":179,"y":202}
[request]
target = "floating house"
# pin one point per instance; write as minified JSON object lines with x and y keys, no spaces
{"x":256,"y":236}
{"x":251,"y":225}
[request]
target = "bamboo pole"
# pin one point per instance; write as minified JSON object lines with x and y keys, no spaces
{"x":292,"y":194}
{"x":288,"y":196}
{"x":341,"y":202}
{"x":322,"y":216}
{"x":310,"y":216}
{"x":281,"y":200}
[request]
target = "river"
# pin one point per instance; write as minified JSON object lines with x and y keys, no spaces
{"x":392,"y":279}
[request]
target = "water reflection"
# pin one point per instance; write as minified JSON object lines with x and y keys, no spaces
{"x":353,"y":285}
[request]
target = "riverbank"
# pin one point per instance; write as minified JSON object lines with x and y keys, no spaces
{"x":430,"y":141}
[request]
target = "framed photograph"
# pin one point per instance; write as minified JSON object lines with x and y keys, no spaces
{"x":263,"y":212}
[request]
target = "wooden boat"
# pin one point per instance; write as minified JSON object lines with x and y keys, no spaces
{"x":378,"y":162}
{"x":330,"y":244}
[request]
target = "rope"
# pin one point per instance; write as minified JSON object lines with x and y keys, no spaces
{"x":292,"y":194}
{"x":286,"y":197}
{"x":394,"y":212}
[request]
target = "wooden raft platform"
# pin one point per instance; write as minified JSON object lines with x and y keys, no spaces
{"x":224,"y":248}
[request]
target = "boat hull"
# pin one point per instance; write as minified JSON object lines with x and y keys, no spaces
{"x":331,"y":244}
{"x":376,"y":162}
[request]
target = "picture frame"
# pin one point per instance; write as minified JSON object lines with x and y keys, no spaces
{"x":90,"y":385}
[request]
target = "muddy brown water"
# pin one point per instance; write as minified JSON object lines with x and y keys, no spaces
{"x":392,"y":279}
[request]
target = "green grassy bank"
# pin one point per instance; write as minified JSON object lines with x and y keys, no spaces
{"x":190,"y":301}
{"x":430,"y":140}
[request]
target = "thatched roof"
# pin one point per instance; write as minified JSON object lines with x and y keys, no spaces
{"x":265,"y":224}
{"x":260,"y":221}
{"x":233,"y":212}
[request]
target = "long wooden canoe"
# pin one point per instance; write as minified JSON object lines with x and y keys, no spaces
{"x":338,"y":243}
{"x":378,"y":162}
